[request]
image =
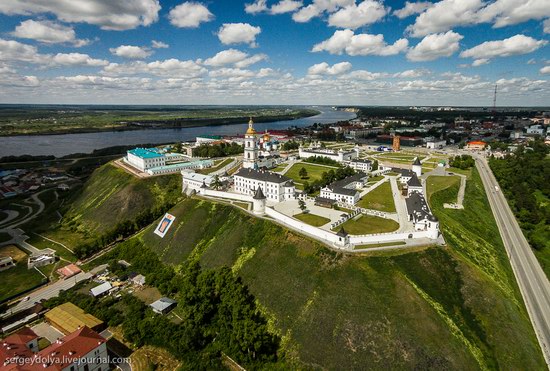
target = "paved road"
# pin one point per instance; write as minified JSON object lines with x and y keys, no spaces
{"x":53,"y":290}
{"x":533,"y":283}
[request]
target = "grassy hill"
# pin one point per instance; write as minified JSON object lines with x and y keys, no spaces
{"x":456,"y":307}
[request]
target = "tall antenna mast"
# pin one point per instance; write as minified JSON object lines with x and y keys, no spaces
{"x":495,"y":102}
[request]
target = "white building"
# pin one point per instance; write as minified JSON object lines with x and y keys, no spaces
{"x":421,"y":216}
{"x":360,"y":165}
{"x":414,"y":185}
{"x":345,"y":190}
{"x":145,"y":158}
{"x":194,"y":181}
{"x":250,"y":147}
{"x":417,"y":167}
{"x":6,"y":263}
{"x":435,"y":144}
{"x":340,"y":155}
{"x":275,"y":187}
{"x":41,"y":260}
{"x":535,"y":130}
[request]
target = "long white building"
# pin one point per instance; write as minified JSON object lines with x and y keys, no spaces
{"x":340,"y":155}
{"x":345,"y":190}
{"x":194,"y":181}
{"x":275,"y":187}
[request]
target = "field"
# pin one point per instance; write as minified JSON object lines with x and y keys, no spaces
{"x":19,"y":279}
{"x":314,"y":172}
{"x":368,"y":224}
{"x":151,"y":358}
{"x":312,"y":219}
{"x":387,"y":311}
{"x":147,"y":294}
{"x":41,"y":243}
{"x":55,"y":120}
{"x":437,"y":183}
{"x":381,"y":198}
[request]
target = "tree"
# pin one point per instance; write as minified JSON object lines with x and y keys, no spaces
{"x":303,"y":173}
{"x":216,"y":183}
{"x":302,"y":205}
{"x":375,"y":165}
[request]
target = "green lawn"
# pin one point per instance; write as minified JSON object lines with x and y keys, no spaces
{"x":437,"y":183}
{"x":314,"y":171}
{"x":455,"y":170}
{"x":41,"y":243}
{"x":280,"y":168}
{"x":370,"y":246}
{"x":376,"y":178}
{"x":19,"y":279}
{"x":218,"y":166}
{"x":368,"y":224}
{"x":381,"y":198}
{"x":312,"y":219}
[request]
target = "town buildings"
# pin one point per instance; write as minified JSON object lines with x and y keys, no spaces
{"x":275,"y":187}
{"x":360,"y":165}
{"x":154,"y":162}
{"x":194,"y":181}
{"x":259,"y":152}
{"x":476,"y":145}
{"x":420,"y":214}
{"x":345,"y":190}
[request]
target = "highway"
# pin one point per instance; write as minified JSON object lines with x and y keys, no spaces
{"x":533,"y":283}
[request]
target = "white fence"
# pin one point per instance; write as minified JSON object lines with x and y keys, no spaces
{"x":387,"y":237}
{"x":221,"y":194}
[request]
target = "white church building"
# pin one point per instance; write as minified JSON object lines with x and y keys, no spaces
{"x":275,"y":187}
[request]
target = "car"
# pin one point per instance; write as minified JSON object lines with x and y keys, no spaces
{"x":26,"y":298}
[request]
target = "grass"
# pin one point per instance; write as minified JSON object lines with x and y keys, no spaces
{"x":244,"y":205}
{"x":314,"y":172}
{"x":219,"y":166}
{"x":312,"y":219}
{"x":41,"y":243}
{"x":280,"y":168}
{"x":147,"y":294}
{"x":381,"y":198}
{"x":376,"y":178}
{"x":18,"y":279}
{"x":437,"y":183}
{"x":368,"y":224}
{"x":153,"y":358}
{"x":370,"y":246}
{"x":456,"y":170}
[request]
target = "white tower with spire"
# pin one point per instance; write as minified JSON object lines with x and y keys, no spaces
{"x":250,"y":147}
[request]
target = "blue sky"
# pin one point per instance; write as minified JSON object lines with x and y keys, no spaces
{"x":369,"y":52}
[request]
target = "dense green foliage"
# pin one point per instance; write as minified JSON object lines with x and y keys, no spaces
{"x":327,"y":178}
{"x":290,"y":145}
{"x":218,"y":150}
{"x":322,"y":161}
{"x":524,"y":177}
{"x":462,"y":162}
{"x":219,"y":313}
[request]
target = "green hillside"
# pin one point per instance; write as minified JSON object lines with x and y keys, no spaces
{"x":111,"y":195}
{"x":438,"y":308}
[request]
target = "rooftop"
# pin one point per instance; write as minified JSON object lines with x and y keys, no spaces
{"x":146,"y":152}
{"x":101,"y":289}
{"x":162,"y":304}
{"x":414,"y":181}
{"x":264,"y":176}
{"x":418,"y":208}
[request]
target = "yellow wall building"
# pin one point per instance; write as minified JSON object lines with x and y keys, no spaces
{"x":68,"y":318}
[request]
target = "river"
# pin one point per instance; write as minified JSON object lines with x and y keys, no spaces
{"x":65,"y":144}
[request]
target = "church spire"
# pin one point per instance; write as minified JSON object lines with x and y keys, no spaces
{"x":251,"y":130}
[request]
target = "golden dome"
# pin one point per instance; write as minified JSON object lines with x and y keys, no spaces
{"x":251,"y":130}
{"x":266,"y":136}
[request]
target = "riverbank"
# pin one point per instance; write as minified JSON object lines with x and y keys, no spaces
{"x":81,"y":125}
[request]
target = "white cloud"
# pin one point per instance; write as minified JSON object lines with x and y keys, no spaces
{"x":265,"y":72}
{"x":189,"y":15}
{"x":515,"y":45}
{"x":238,"y":33}
{"x":48,"y":33}
{"x":364,"y":75}
{"x":446,"y":14}
{"x":170,"y":67}
{"x":285,"y":6}
{"x":109,"y":15}
{"x":354,"y":16}
{"x":318,"y":7}
{"x":545,"y":69}
{"x":236,"y":57}
{"x":159,"y":44}
{"x":532,"y":61}
{"x":131,"y":52}
{"x":256,"y":7}
{"x":77,"y":59}
{"x":435,"y":46}
{"x":412,"y":8}
{"x":411,"y":74}
{"x":325,"y":69}
{"x":14,"y":51}
{"x":546,"y":26}
{"x":480,"y":62}
{"x":361,"y":44}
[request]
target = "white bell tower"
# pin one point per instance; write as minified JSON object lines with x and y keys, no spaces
{"x":250,"y":147}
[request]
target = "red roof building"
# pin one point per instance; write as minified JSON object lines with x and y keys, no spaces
{"x":83,"y":349}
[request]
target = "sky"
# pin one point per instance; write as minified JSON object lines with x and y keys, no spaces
{"x":257,"y":52}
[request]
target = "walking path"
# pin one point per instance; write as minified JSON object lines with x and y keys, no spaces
{"x":400,"y":207}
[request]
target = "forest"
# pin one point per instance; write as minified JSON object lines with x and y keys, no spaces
{"x":217,"y":150}
{"x":524,"y":177}
{"x":219,"y":313}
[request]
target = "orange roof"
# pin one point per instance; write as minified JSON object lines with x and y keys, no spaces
{"x":15,"y":346}
{"x":69,"y":271}
{"x":477,"y":143}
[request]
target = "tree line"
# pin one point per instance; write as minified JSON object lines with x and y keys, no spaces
{"x":524,"y":177}
{"x":328,"y":177}
{"x":218,"y":150}
{"x":462,"y":162}
{"x":219,"y":313}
